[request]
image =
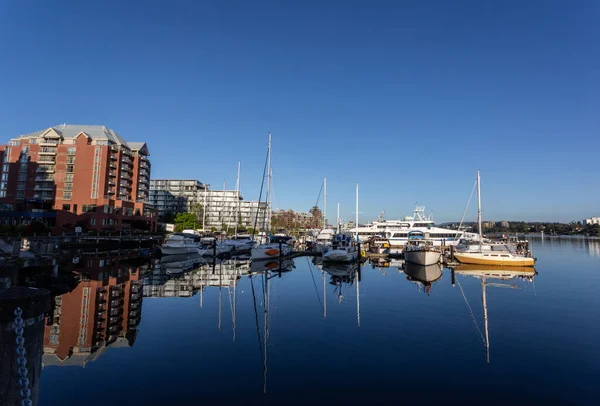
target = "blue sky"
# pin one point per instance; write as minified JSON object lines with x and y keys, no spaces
{"x":408,"y":99}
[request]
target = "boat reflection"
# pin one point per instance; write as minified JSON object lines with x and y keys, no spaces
{"x":423,"y":275}
{"x":488,"y":275}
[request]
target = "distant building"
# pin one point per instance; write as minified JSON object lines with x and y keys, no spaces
{"x":289,"y":219}
{"x":504,"y":224}
{"x":592,"y":220}
{"x":217,"y":207}
{"x":489,"y":224}
{"x":174,"y":196}
{"x":76,"y":175}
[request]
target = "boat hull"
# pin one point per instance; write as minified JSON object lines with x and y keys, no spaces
{"x":166,"y":250}
{"x":479,"y":259}
{"x":340,"y":256}
{"x":423,"y":257}
{"x":269,"y":251}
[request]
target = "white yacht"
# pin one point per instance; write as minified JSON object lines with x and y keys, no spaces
{"x":181,"y":243}
{"x":397,"y":230}
{"x":210,"y":246}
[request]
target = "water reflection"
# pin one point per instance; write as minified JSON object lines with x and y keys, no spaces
{"x":103,"y":310}
{"x":490,"y":276}
{"x":423,"y":276}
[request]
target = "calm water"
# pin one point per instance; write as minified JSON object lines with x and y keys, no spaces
{"x":313,"y":340}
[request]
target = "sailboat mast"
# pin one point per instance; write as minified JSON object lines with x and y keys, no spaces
{"x":338,"y":218}
{"x":356,"y":219}
{"x":325,"y":203}
{"x":479,"y":209}
{"x":237,"y":196}
{"x":485,"y":321}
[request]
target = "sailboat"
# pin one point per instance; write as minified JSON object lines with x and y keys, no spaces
{"x":343,"y":246}
{"x":270,"y":249}
{"x":491,"y":254}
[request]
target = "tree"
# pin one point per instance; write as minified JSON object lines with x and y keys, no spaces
{"x":186,"y":221}
{"x":197,"y":210}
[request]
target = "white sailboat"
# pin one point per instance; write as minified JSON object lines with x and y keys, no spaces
{"x":269,"y":250}
{"x":343,"y":246}
{"x":491,"y":254}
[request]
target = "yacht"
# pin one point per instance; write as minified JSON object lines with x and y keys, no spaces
{"x":397,"y":230}
{"x":420,"y":250}
{"x":210,"y":246}
{"x":181,"y":243}
{"x":343,"y":249}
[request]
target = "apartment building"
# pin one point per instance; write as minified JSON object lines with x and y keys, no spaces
{"x":71,"y":176}
{"x":219,"y":208}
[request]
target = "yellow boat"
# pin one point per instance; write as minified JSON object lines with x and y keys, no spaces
{"x":494,"y":258}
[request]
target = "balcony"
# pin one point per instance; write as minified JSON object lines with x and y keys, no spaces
{"x":111,"y":182}
{"x":44,"y":188}
{"x":125,"y":176}
{"x":47,"y":160}
{"x":47,"y":151}
{"x":114,"y":156}
{"x":44,"y":179}
{"x":48,"y":143}
{"x":112,"y":165}
{"x":112,"y":174}
{"x":42,"y":169}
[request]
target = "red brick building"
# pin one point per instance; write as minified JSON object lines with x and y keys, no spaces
{"x":76,"y":175}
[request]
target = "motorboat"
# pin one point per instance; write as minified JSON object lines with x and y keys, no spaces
{"x":181,"y":243}
{"x":270,"y":251}
{"x":210,"y":247}
{"x":343,"y":249}
{"x":323,"y":240}
{"x":420,"y":250}
{"x":241,"y":243}
{"x":379,"y":245}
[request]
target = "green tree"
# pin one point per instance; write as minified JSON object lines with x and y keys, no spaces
{"x":185,"y":221}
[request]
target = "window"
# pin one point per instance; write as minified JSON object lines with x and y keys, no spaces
{"x":68,"y":186}
{"x":71,"y":151}
{"x":74,"y":208}
{"x":70,"y":168}
{"x":70,"y":159}
{"x":66,"y":195}
{"x":89,"y":208}
{"x":93,"y":221}
{"x":66,"y":207}
{"x":69,"y":177}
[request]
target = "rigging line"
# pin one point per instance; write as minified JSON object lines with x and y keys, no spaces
{"x":471,"y":310}
{"x":260,"y":194}
{"x":320,"y":191}
{"x":466,"y":208}
{"x":314,"y":283}
{"x":256,"y":318}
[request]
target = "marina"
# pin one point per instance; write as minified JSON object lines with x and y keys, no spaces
{"x":266,"y":317}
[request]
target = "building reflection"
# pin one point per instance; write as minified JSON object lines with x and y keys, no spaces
{"x":594,"y":248}
{"x":176,"y":279}
{"x":103,"y":311}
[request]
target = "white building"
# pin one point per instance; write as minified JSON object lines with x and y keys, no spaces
{"x":221,"y":207}
{"x":592,"y":220}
